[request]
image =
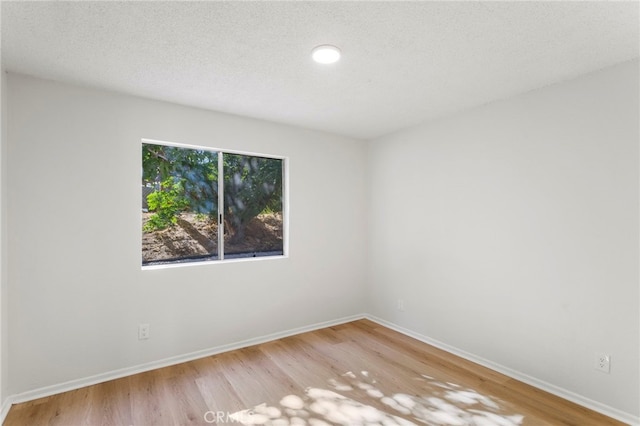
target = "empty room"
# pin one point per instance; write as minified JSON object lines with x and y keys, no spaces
{"x":320,"y":213}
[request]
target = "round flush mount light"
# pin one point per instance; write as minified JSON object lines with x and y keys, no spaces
{"x":325,"y":54}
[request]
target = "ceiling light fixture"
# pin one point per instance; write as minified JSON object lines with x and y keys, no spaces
{"x":325,"y":54}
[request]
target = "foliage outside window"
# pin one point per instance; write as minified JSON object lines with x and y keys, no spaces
{"x":199,"y":205}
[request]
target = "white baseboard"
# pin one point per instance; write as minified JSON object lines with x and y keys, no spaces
{"x":548,"y":387}
{"x":6,"y":405}
{"x":124,"y":372}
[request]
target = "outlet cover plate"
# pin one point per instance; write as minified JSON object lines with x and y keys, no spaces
{"x":603,"y":362}
{"x":143,"y":331}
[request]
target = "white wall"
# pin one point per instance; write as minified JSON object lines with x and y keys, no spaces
{"x":3,"y":271}
{"x":77,"y":289}
{"x":511,"y":232}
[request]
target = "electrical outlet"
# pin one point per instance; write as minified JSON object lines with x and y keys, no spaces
{"x":401,"y":305}
{"x":143,"y":331}
{"x":603,"y":362}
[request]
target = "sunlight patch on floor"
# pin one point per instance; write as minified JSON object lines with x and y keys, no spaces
{"x":443,"y":403}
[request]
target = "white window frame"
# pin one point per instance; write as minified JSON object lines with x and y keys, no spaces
{"x":221,"y":152}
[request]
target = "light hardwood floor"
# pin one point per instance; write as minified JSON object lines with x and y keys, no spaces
{"x":352,"y":374}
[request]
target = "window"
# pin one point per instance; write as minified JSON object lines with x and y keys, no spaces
{"x":200,"y":205}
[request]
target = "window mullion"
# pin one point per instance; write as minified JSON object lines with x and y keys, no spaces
{"x":220,"y":205}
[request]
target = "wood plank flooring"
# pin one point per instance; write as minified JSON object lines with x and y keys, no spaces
{"x":352,"y":374}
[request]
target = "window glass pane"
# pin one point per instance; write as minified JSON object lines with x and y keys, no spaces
{"x":179,"y":204}
{"x":253,"y":206}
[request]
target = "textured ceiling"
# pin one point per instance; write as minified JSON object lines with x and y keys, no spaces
{"x":403,"y":62}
